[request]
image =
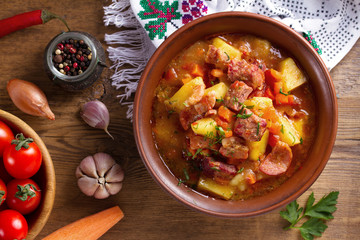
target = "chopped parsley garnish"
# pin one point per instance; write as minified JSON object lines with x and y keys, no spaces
{"x":301,"y":140}
{"x":250,"y":107}
{"x":240,"y":170}
{"x":283,"y":92}
{"x":227,"y":56}
{"x":294,"y":139}
{"x":197,"y":152}
{"x":221,"y":130}
{"x":282,"y":129}
{"x":243,"y":115}
{"x":220,"y":100}
{"x":186,"y":174}
{"x":257,"y":129}
{"x":215,"y":168}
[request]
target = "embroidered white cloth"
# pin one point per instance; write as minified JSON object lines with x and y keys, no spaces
{"x":331,"y":26}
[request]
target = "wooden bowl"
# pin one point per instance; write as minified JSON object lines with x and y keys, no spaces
{"x":45,"y":177}
{"x":281,"y":36}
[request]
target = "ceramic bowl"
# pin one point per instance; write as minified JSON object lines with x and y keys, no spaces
{"x":45,"y":177}
{"x":281,"y":36}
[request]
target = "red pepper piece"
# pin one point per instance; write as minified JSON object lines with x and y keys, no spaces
{"x":24,"y":20}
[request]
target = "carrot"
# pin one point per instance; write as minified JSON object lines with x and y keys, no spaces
{"x":281,"y":99}
{"x":25,"y":20}
{"x":225,"y":114}
{"x":269,"y":94}
{"x":277,"y":87}
{"x":197,"y":71}
{"x":217,"y":73}
{"x":90,"y":228}
{"x":272,"y":76}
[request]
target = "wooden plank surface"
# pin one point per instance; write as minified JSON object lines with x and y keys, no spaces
{"x":150,"y":213}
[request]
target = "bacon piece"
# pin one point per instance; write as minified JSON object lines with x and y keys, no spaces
{"x":197,"y":141}
{"x":278,"y":161}
{"x":244,"y":71}
{"x":251,"y":128}
{"x":206,"y":103}
{"x":218,"y":170}
{"x":194,"y":112}
{"x":234,"y":148}
{"x":236,"y":95}
{"x":217,"y":57}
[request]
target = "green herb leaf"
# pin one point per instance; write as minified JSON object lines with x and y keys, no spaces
{"x":240,"y":170}
{"x":257,"y":129}
{"x":301,"y":140}
{"x":324,"y":208}
{"x":292,"y":212}
{"x":244,"y":115}
{"x":282,"y":129}
{"x":283,"y":92}
{"x":227,"y":56}
{"x":317,"y":215}
{"x":220,"y":100}
{"x":197,"y":152}
{"x":312,"y":227}
{"x":186,"y":174}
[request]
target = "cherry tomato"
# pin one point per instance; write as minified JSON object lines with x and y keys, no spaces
{"x":22,"y":159}
{"x":6,"y":135}
{"x":2,"y":191}
{"x":12,"y":225}
{"x":24,"y":195}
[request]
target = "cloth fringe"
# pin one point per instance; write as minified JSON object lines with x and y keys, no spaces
{"x":132,"y":53}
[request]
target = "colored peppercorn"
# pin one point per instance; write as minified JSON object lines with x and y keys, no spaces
{"x":72,"y":57}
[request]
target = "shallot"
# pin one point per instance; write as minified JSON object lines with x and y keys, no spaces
{"x":99,"y":176}
{"x":96,"y":114}
{"x":29,"y":98}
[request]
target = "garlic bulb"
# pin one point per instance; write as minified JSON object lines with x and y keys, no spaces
{"x":99,"y":176}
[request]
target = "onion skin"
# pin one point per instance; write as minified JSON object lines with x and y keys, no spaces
{"x":29,"y":98}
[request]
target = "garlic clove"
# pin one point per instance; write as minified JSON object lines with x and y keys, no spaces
{"x":115,"y":174}
{"x":88,"y":185}
{"x":96,"y":114}
{"x":88,"y":167}
{"x":103,"y":162}
{"x":113,"y":188}
{"x":101,"y":192}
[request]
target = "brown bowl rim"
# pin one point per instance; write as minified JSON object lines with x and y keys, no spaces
{"x":47,"y":201}
{"x":162,"y":181}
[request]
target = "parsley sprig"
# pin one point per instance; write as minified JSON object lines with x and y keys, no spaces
{"x":317,"y":215}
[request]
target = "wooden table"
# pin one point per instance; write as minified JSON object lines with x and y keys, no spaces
{"x":150,"y":213}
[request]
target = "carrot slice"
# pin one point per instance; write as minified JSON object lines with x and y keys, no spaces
{"x":225,"y":114}
{"x":217,"y":73}
{"x":197,"y":71}
{"x":90,"y":228}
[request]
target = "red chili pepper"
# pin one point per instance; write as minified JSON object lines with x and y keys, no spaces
{"x":24,"y":20}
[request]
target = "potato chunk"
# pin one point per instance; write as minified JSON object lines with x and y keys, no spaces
{"x":227,"y":48}
{"x":189,"y":94}
{"x":214,"y":188}
{"x":220,"y":90}
{"x":256,"y":149}
{"x":292,"y":76}
{"x":205,"y":127}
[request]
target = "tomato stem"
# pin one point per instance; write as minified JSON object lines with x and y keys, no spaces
{"x":25,"y":192}
{"x":20,"y":141}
